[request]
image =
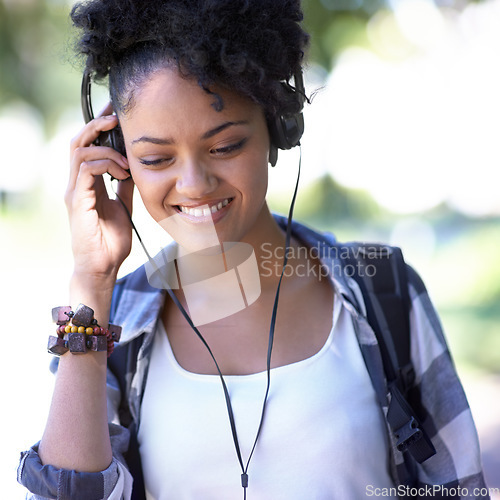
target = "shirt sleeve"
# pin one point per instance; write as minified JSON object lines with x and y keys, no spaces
{"x":113,"y":483}
{"x":456,"y":467}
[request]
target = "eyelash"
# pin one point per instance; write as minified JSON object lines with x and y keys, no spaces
{"x":230,"y":148}
{"x":219,"y":151}
{"x":154,"y":162}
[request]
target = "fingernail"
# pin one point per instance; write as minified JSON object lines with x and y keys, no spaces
{"x":109,"y":117}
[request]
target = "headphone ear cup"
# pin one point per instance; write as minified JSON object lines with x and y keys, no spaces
{"x":117,"y":140}
{"x":113,"y":139}
{"x":286,"y":130}
{"x":285,"y":133}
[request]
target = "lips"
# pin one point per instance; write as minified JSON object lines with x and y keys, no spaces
{"x":204,"y":210}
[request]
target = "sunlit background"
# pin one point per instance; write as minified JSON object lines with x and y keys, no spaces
{"x":401,"y":145}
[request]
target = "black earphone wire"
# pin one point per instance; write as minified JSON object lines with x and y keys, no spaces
{"x":275,"y":306}
{"x":244,"y":469}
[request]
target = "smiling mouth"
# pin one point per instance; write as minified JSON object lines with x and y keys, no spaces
{"x":206,"y":211}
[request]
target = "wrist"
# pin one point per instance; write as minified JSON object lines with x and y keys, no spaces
{"x":96,"y":292}
{"x":98,"y":285}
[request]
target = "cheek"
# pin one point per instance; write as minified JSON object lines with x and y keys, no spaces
{"x":258,"y":188}
{"x":255,"y":180}
{"x":152,"y":190}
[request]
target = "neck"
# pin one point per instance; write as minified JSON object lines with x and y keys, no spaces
{"x":267,"y":243}
{"x":222,"y":281}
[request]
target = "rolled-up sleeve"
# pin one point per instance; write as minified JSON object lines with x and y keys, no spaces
{"x":48,"y":482}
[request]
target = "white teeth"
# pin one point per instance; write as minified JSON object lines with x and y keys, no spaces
{"x":205,"y":212}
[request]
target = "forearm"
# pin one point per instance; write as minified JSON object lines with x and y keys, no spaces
{"x":76,"y":435}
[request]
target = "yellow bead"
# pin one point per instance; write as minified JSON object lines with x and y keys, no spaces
{"x":81,"y":329}
{"x":74,"y":329}
{"x":89,"y":330}
{"x":67,"y":328}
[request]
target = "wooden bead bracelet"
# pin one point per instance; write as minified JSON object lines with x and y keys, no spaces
{"x":83,"y":334}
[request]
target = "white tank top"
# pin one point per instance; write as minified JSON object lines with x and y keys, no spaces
{"x":323,"y":436}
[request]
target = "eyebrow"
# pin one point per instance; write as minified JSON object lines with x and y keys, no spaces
{"x":153,"y":140}
{"x":220,"y":128}
{"x":206,"y":135}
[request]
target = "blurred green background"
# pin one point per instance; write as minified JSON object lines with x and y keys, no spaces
{"x":401,"y":145}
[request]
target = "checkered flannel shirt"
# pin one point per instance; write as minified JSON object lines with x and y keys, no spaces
{"x":447,"y":419}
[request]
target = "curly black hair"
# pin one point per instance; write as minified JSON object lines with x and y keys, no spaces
{"x":248,"y":46}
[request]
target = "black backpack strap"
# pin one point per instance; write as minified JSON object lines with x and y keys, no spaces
{"x":380,"y":272}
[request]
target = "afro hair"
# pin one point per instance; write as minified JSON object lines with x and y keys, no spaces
{"x":248,"y":46}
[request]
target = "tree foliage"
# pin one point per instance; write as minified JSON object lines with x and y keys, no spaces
{"x":35,"y":47}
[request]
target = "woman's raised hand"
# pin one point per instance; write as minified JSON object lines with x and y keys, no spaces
{"x":100,"y":228}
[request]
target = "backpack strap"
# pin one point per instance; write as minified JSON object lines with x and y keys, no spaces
{"x":380,"y":271}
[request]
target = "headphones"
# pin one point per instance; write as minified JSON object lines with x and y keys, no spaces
{"x":285,"y":130}
{"x":112,"y":138}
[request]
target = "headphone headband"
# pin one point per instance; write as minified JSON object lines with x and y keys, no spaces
{"x":85,"y":97}
{"x":285,"y":130}
{"x":111,"y":139}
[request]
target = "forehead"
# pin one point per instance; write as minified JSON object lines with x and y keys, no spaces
{"x":167,"y":91}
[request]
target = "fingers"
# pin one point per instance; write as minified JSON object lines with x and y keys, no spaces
{"x":90,"y":132}
{"x":90,"y":184}
{"x":95,"y":153}
{"x":89,"y":170}
{"x":100,"y":166}
{"x":101,"y":159}
{"x":89,"y":162}
{"x":125,"y":191}
{"x":81,"y":151}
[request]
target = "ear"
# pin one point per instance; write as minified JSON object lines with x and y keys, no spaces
{"x":273,"y":155}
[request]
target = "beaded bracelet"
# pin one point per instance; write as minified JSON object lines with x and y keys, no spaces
{"x":82,"y":334}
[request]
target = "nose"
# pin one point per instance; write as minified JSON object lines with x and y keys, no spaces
{"x":195,"y":180}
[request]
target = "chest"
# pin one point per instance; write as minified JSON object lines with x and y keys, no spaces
{"x":240,"y":342}
{"x":321,"y":418}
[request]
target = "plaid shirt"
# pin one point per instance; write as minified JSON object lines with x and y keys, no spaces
{"x":455,"y":471}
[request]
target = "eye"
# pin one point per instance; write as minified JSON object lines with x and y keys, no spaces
{"x":231,"y":148}
{"x":155,"y":162}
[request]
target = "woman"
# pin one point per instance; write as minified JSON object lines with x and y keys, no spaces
{"x":195,"y":87}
